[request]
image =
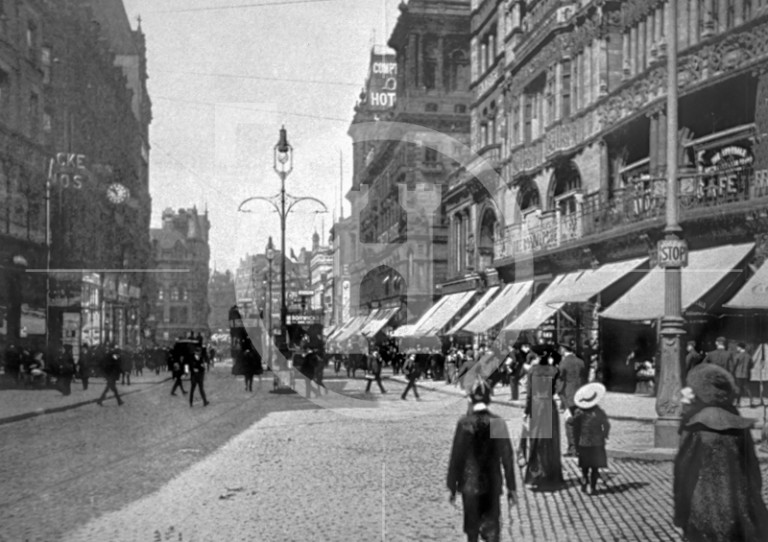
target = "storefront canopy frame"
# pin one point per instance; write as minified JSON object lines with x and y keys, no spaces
{"x":501,"y":307}
{"x":591,"y":282}
{"x":381,"y":320}
{"x":754,"y":294}
{"x":354,"y":328}
{"x":481,"y":305}
{"x":706,"y":269}
{"x":452,"y":304}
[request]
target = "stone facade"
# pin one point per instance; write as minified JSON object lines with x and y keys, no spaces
{"x":181,"y":249}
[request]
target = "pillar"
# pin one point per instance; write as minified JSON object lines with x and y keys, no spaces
{"x":626,"y":59}
{"x":602,"y":67}
{"x":693,"y":21}
{"x":657,"y":33}
{"x":709,"y":22}
{"x":739,"y":15}
{"x":653,"y":144}
{"x":440,"y":76}
{"x":642,"y":46}
{"x":605,"y":171}
{"x":633,"y":63}
{"x":662,"y":143}
{"x":412,"y":61}
{"x":419,"y":61}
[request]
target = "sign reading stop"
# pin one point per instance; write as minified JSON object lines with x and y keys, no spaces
{"x":672,"y":253}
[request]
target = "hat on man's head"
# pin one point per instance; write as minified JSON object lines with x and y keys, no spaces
{"x":721,"y":339}
{"x":589,"y":395}
{"x":712,"y":385}
{"x":481,"y":392}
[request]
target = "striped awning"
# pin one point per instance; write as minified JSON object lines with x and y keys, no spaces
{"x":378,"y":323}
{"x":754,"y":294}
{"x":449,"y":306}
{"x":505,"y":304}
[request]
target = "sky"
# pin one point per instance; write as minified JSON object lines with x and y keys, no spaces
{"x":223,"y":81}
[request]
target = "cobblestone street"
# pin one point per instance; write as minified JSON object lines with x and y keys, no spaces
{"x":372,"y":468}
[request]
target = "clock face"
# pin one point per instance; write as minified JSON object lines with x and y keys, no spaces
{"x":117,"y":193}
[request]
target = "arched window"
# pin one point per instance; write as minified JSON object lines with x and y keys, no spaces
{"x":458,"y":71}
{"x":528,"y":197}
{"x":566,"y":181}
{"x":488,"y":232}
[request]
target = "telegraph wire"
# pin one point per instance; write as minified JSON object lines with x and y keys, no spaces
{"x":262,"y":78}
{"x":224,"y":104}
{"x":240,"y":6}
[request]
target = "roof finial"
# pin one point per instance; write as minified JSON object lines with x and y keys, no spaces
{"x":138,"y":20}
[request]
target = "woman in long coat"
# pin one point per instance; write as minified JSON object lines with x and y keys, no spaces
{"x":545,"y":469}
{"x":717,"y":482}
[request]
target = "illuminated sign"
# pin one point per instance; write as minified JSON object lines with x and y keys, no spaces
{"x":382,"y":82}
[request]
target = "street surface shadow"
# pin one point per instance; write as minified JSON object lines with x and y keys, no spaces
{"x":621,"y":488}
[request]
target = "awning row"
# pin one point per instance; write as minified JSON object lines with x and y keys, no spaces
{"x":708,"y":270}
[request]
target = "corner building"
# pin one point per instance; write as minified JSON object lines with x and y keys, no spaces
{"x":402,"y":157}
{"x":572,"y":97}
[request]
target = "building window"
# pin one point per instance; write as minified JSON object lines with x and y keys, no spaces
{"x":430,"y":63}
{"x":458,"y":71}
{"x":515,"y":120}
{"x":431,"y":107}
{"x":747,"y":10}
{"x":184,"y":294}
{"x":565,"y":89}
{"x":174,"y":294}
{"x":47,"y":122}
{"x":161,"y":294}
{"x":534,"y":97}
{"x":33,"y":114}
{"x":430,"y":155}
{"x":460,"y":109}
{"x":550,"y":93}
{"x":45,"y":59}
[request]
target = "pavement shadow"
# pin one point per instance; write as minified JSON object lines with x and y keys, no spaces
{"x":622,"y":488}
{"x":8,"y":382}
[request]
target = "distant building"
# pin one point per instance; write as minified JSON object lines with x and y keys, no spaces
{"x":321,"y":278}
{"x":221,"y":297}
{"x":181,"y":247}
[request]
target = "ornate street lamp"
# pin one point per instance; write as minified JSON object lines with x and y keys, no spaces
{"x":270,"y":254}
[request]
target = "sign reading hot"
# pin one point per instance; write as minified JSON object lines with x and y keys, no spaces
{"x":382,"y":82}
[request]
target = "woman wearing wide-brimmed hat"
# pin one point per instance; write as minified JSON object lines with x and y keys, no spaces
{"x":544,"y":469}
{"x":590,"y":431}
{"x":717,"y":481}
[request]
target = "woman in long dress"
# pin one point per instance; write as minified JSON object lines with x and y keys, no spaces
{"x":544,"y":469}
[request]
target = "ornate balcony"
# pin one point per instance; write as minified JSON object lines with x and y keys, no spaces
{"x":701,"y":194}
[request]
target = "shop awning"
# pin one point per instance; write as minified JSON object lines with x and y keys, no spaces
{"x":754,"y":294}
{"x":330,"y":331}
{"x":591,"y":282}
{"x":706,"y":269}
{"x":576,"y":287}
{"x":377,"y":324}
{"x":403,"y":331}
{"x":353,"y":328}
{"x":450,"y":305}
{"x":500,"y":308}
{"x":476,"y":308}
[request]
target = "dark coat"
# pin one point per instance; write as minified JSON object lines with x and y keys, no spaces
{"x":477,"y":456}
{"x":111,"y":365}
{"x":196,"y":366}
{"x":573,"y":375}
{"x":590,"y":427}
{"x":722,"y":358}
{"x":374,"y":365}
{"x":742,"y":365}
{"x":692,"y":359}
{"x":717,"y":482}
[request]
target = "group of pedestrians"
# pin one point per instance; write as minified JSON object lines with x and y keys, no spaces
{"x":739,"y":364}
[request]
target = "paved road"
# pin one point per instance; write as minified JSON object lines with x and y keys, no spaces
{"x":345,"y":466}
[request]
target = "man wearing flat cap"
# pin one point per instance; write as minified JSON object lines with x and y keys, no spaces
{"x":481,"y":447}
{"x":720,"y":356}
{"x":573,"y":375}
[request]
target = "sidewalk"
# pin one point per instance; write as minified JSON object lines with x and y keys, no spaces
{"x":20,"y":404}
{"x":633,"y":416}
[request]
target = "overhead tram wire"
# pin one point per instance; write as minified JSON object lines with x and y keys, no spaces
{"x":253,"y":109}
{"x":260,"y":78}
{"x":240,"y":6}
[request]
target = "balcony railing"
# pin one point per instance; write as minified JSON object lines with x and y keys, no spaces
{"x":644,"y":201}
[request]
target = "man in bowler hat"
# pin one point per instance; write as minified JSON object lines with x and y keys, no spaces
{"x":481,"y":447}
{"x":197,"y":375}
{"x":573,"y":375}
{"x":112,"y":368}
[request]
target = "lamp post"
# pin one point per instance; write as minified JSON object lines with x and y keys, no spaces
{"x":668,"y":406}
{"x":270,"y":254}
{"x":283,"y":203}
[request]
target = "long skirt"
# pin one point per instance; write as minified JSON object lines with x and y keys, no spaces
{"x":545,"y":468}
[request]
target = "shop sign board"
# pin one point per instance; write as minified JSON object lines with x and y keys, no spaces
{"x":672,"y":253}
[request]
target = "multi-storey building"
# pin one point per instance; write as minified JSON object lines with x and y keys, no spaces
{"x":64,"y":87}
{"x":221,"y":297}
{"x":569,"y":112}
{"x":181,"y":256}
{"x":321,"y":278}
{"x":402,"y":156}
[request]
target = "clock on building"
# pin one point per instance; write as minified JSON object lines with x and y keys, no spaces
{"x":117,"y":193}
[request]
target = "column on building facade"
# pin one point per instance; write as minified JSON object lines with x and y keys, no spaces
{"x":739,"y":15}
{"x":440,"y":63}
{"x":626,"y":62}
{"x":633,"y":68}
{"x":451,"y":241}
{"x":653,"y":144}
{"x":474,"y":59}
{"x":642,"y":46}
{"x":605,"y":171}
{"x":410,"y":61}
{"x":722,"y":22}
{"x":662,"y":121}
{"x":587,"y":54}
{"x":419,"y":61}
{"x":558,"y":90}
{"x":474,"y":232}
{"x":708,"y":17}
{"x":603,"y":66}
{"x":693,"y":21}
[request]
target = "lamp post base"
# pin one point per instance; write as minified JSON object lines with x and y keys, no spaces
{"x":665,"y":433}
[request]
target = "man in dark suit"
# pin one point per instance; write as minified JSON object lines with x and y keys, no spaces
{"x":720,"y":356}
{"x":573,"y":375}
{"x":111,"y":367}
{"x":481,"y":447}
{"x":374,"y":367}
{"x":197,"y":375}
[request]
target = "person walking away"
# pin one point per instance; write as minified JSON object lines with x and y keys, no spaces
{"x":126,"y":362}
{"x":590,"y":432}
{"x":411,"y":372}
{"x":544,"y":468}
{"x":197,"y":375}
{"x":720,"y":356}
{"x":374,"y":366}
{"x":692,"y":358}
{"x":741,"y":370}
{"x":84,"y":365}
{"x":717,"y":483}
{"x":65,"y":369}
{"x":450,"y":366}
{"x":111,"y":368}
{"x":249,"y":368}
{"x":573,"y":375}
{"x":481,"y":449}
{"x":177,"y":370}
